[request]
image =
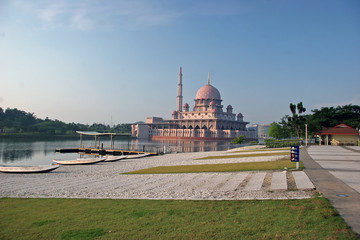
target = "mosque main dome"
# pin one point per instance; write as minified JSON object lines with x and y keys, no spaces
{"x":208,"y":92}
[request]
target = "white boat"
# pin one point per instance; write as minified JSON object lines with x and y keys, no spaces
{"x":28,"y":169}
{"x":132,"y":156}
{"x":79,"y":161}
{"x":114,"y":158}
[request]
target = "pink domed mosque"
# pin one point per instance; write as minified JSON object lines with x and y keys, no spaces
{"x":207,"y":120}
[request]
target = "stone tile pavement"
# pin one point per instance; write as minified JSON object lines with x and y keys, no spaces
{"x":335,"y":171}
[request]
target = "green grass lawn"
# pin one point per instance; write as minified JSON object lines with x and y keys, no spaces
{"x":224,"y":167}
{"x":246,"y":155}
{"x":170,"y":219}
{"x":263,"y":150}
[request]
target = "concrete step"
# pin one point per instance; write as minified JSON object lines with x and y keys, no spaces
{"x":302,"y":181}
{"x":278,"y":181}
{"x":255,"y":182}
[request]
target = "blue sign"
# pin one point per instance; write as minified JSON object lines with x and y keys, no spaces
{"x":294,"y":153}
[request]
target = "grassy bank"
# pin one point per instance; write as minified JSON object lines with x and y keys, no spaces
{"x":164,"y":219}
{"x":246,"y":155}
{"x":225,"y":167}
{"x":263,"y":150}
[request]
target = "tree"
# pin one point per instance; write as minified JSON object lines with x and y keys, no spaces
{"x":238,"y":140}
{"x":2,"y":115}
{"x":332,"y":116}
{"x":17,"y":121}
{"x":297,"y":121}
{"x":278,"y":131}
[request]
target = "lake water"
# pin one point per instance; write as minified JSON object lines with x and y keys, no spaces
{"x":31,"y":152}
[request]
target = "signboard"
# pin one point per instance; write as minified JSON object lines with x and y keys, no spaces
{"x":294,"y":153}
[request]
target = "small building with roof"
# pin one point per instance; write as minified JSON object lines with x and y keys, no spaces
{"x":206,"y":121}
{"x":341,"y":134}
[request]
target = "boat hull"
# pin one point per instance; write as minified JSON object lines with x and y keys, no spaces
{"x":28,"y":169}
{"x":114,"y":158}
{"x":79,"y":161}
{"x":138,"y":155}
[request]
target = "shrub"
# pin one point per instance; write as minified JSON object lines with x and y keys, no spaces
{"x":272,"y":143}
{"x":238,"y":140}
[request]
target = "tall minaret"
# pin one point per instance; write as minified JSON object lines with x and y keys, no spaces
{"x":179,"y":96}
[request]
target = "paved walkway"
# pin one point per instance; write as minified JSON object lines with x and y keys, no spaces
{"x":335,"y":171}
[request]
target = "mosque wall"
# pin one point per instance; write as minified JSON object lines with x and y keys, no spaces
{"x":140,"y":131}
{"x":198,"y":134}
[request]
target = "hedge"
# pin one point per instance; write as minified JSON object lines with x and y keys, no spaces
{"x":272,"y":143}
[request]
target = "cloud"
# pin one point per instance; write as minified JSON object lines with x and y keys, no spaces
{"x":85,"y":14}
{"x":137,"y":14}
{"x":48,"y":13}
{"x":80,"y":21}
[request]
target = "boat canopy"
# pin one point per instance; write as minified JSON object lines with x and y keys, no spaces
{"x":93,"y":133}
{"x":97,"y":136}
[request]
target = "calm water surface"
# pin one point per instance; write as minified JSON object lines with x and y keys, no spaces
{"x":32,"y":152}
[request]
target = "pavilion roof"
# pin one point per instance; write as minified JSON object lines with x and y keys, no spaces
{"x":93,"y":133}
{"x":341,"y":129}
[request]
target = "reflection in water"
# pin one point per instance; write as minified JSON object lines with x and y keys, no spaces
{"x":160,"y":146}
{"x":19,"y":152}
{"x":194,"y":146}
{"x":29,"y":152}
{"x":12,"y":151}
{"x":12,"y":155}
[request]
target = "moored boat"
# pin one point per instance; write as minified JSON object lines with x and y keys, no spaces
{"x":28,"y":169}
{"x":132,"y":156}
{"x":114,"y":158}
{"x":79,"y":161}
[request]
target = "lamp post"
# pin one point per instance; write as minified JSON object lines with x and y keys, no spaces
{"x":306,"y":134}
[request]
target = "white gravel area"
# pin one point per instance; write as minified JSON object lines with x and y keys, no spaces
{"x":105,"y":180}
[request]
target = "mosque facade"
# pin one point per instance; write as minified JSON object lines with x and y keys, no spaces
{"x":205,"y":121}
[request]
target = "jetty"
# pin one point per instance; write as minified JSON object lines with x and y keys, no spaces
{"x":98,"y":148}
{"x":100,"y":151}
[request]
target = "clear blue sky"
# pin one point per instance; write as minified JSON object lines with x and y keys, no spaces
{"x":101,"y":61}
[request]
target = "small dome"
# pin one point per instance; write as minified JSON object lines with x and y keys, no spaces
{"x":186,"y":105}
{"x":240,"y":115}
{"x":208,"y":92}
{"x":174,"y":112}
{"x":212,"y":103}
{"x":229,"y":106}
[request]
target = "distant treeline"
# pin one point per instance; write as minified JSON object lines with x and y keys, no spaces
{"x":17,"y":122}
{"x":293,"y":125}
